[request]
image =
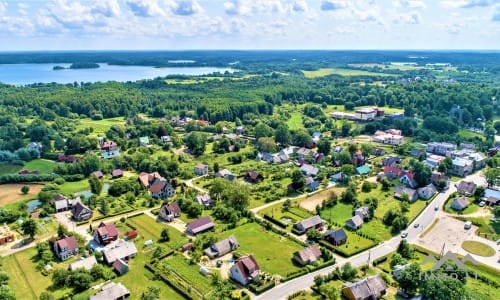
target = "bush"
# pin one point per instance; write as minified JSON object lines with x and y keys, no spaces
{"x":275,"y":221}
{"x":59,"y":181}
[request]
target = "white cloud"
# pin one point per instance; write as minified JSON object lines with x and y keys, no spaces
{"x":467,"y":3}
{"x":411,"y":18}
{"x":299,"y":6}
{"x":248,"y":7}
{"x":496,"y":15}
{"x":145,"y":8}
{"x":279,"y":24}
{"x":3,"y":7}
{"x":187,"y":8}
{"x":413,"y":4}
{"x":108,"y":8}
{"x":333,"y":4}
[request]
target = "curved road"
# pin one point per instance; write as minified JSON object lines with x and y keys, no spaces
{"x":424,"y":220}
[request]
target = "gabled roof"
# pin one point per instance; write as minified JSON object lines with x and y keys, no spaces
{"x":247,"y":265}
{"x":311,"y":170}
{"x":107,"y":229}
{"x":69,"y":243}
{"x":172,"y":208}
{"x":97,"y":174}
{"x":311,"y":222}
{"x":61,"y":204}
{"x":116,"y":173}
{"x":86,"y":263}
{"x":336,"y":234}
{"x":309,"y":254}
{"x":111,"y":291}
{"x":224,"y":246}
{"x":392,"y":170}
{"x":78,"y":208}
{"x":200,"y":224}
{"x":468,"y":187}
{"x":364,"y":169}
{"x":460,"y":203}
{"x":122,"y":250}
{"x":400,"y":190}
{"x":368,"y":287}
{"x":356,"y":221}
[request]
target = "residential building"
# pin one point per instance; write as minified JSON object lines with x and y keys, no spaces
{"x":491,"y":201}
{"x":440,"y":148}
{"x":434,"y":160}
{"x":411,"y":193}
{"x":378,"y":151}
{"x":366,"y":114}
{"x":426,"y":192}
{"x":342,"y":115}
{"x":467,"y":188}
{"x":157,"y":186}
{"x":66,"y":247}
{"x":111,"y":291}
{"x":6,"y":235}
{"x":169,"y":211}
{"x":362,"y":212}
{"x":304,"y":153}
{"x":478,"y":159}
{"x":307,"y":255}
{"x":84,"y":263}
{"x":309,"y":170}
{"x":417,"y":152}
{"x":200,"y":225}
{"x":312,"y":222}
{"x":391,"y":161}
{"x":120,"y":267}
{"x":311,"y":184}
{"x":354,"y":222}
{"x":438,"y":177}
{"x":245,"y":270}
{"x":316,"y":137}
{"x":222,"y":248}
{"x":226,"y":174}
{"x":358,"y":159}
{"x":61,"y":205}
{"x":201,"y":169}
{"x":81,"y":212}
{"x":166,"y":139}
{"x":204,"y":199}
{"x":390,"y":137}
{"x":460,"y":203}
{"x":408,"y":178}
{"x":363,"y":170}
{"x":105,"y":233}
{"x":366,"y":289}
{"x":97,"y":174}
{"x":253,"y":177}
{"x":124,"y":251}
{"x":109,"y":149}
{"x":391,"y":172}
{"x":116,"y":173}
{"x":335,"y":237}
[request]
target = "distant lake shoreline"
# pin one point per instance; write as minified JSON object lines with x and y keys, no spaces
{"x":23,"y":74}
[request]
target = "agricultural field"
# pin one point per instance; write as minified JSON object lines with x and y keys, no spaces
{"x":99,"y":127}
{"x":151,"y":229}
{"x":11,"y":193}
{"x":189,"y":272}
{"x":295,"y":121}
{"x":262,"y":243}
{"x":342,"y":72}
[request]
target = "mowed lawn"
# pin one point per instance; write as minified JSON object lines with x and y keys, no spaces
{"x":295,"y":121}
{"x":151,"y":230}
{"x":273,"y":252}
{"x":100,"y":126}
{"x":342,"y":72}
{"x":40,"y":165}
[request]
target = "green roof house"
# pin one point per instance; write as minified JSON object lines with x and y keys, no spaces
{"x":362,"y":170}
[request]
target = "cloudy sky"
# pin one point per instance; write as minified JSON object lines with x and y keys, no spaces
{"x":249,"y":24}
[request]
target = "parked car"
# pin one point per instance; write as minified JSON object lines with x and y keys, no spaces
{"x":436,"y":207}
{"x":416,"y":225}
{"x":482,"y":203}
{"x":404,"y":234}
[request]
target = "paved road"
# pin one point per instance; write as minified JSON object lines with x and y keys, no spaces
{"x":424,"y":220}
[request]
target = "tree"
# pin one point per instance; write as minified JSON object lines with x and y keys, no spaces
{"x":196,"y":142}
{"x":152,"y":293}
{"x":165,"y":235}
{"x":496,"y":211}
{"x":59,"y":143}
{"x":81,"y":279}
{"x":404,"y":249}
{"x":314,"y":235}
{"x":492,"y":176}
{"x":442,"y":287}
{"x":104,"y":207}
{"x":29,"y":227}
{"x":46,"y":296}
{"x":282,"y":135}
{"x":343,"y":158}
{"x":60,"y":277}
{"x":95,"y":185}
{"x":324,"y":146}
{"x":345,"y":129}
{"x":6,"y":293}
{"x":409,"y":279}
{"x":25,"y":189}
{"x":397,"y":259}
{"x":262,"y":130}
{"x":4,"y":277}
{"x":422,"y":173}
{"x":385,"y":184}
{"x":366,"y":187}
{"x":348,"y":272}
{"x":287,"y":204}
{"x":266,"y":144}
{"x":445,"y":165}
{"x":216,"y":167}
{"x":298,"y":180}
{"x":301,"y":138}
{"x":329,"y":292}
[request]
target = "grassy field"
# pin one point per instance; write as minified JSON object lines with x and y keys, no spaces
{"x":342,"y":72}
{"x":354,"y":243}
{"x":9,"y":169}
{"x":40,"y":165}
{"x":99,"y":127}
{"x":190,"y":273}
{"x":69,"y":188}
{"x":295,"y":121}
{"x":464,"y":134}
{"x":478,"y":248}
{"x":150,"y":229}
{"x":11,"y":193}
{"x":273,"y":252}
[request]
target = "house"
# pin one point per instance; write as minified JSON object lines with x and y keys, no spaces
{"x":66,"y":247}
{"x":438,"y":177}
{"x":245,"y":270}
{"x":123,"y":251}
{"x":84,"y":263}
{"x":307,"y":255}
{"x":411,"y":193}
{"x":461,"y":166}
{"x":253,"y":177}
{"x":222,"y":248}
{"x":316,"y":137}
{"x":35,"y":146}
{"x":408,"y":178}
{"x":378,"y":151}
{"x":169,"y":211}
{"x":200,"y":225}
{"x":369,"y":288}
{"x":426,"y":192}
{"x":363,"y":170}
{"x":358,"y":159}
{"x":157,"y":186}
{"x":491,"y":201}
{"x":337,"y":177}
{"x":335,"y":237}
{"x":309,"y":170}
{"x":366,"y":114}
{"x":240,"y":129}
{"x":362,"y":212}
{"x":111,"y":291}
{"x":391,"y":161}
{"x":342,"y":115}
{"x":6,"y":235}
{"x":120,"y":267}
{"x":354,"y":223}
{"x":398,"y":269}
{"x":417,"y":152}
{"x":80,"y":212}
{"x":226,"y":174}
{"x":201,"y":169}
{"x":391,"y":172}
{"x":311,"y":184}
{"x":204,"y":199}
{"x":105,"y":233}
{"x":460,"y":203}
{"x":109,"y":149}
{"x":390,"y":137}
{"x":97,"y":174}
{"x":144,"y":141}
{"x":61,"y":205}
{"x":467,"y":188}
{"x":130,"y":235}
{"x":478,"y":159}
{"x":313,"y":222}
{"x":116,"y":173}
{"x":166,"y":139}
{"x":440,"y":148}
{"x":304,"y":153}
{"x":434,"y":160}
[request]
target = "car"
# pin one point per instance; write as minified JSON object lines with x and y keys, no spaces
{"x":404,"y":234}
{"x":416,"y":225}
{"x":482,"y":203}
{"x":436,"y":207}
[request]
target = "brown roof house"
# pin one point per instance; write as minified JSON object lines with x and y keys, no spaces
{"x":253,"y":177}
{"x":307,"y":255}
{"x":223,"y":247}
{"x":111,"y":291}
{"x":6,"y":235}
{"x":157,"y":186}
{"x":66,"y":247}
{"x":335,"y":237}
{"x":245,"y":270}
{"x":367,"y":289}
{"x":120,"y":266}
{"x":81,"y":212}
{"x":312,"y":222}
{"x":169,"y":211}
{"x":105,"y":233}
{"x":466,"y":188}
{"x":200,"y":225}
{"x":460,"y":203}
{"x":116,"y":173}
{"x":354,"y":223}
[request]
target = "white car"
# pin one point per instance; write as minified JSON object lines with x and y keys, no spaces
{"x":404,"y":234}
{"x":482,"y":203}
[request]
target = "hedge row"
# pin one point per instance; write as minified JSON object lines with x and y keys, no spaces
{"x":340,"y":251}
{"x":258,"y":289}
{"x":17,"y":178}
{"x":275,"y":221}
{"x":119,"y":213}
{"x":308,"y":269}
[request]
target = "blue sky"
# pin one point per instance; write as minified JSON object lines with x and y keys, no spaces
{"x":249,"y":24}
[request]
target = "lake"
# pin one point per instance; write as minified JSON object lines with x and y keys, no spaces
{"x":21,"y":74}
